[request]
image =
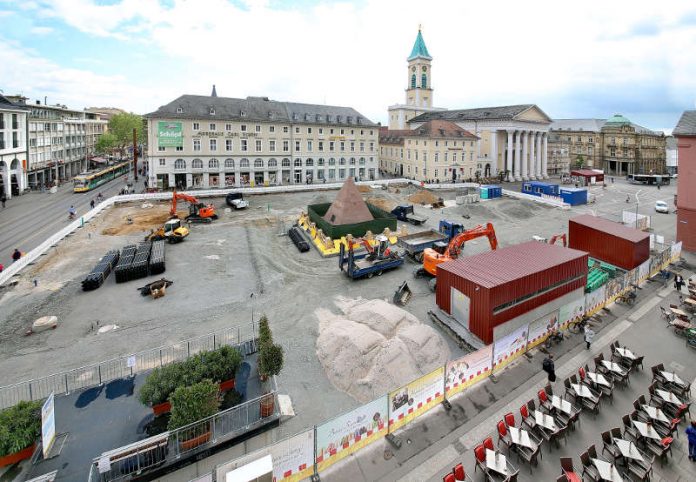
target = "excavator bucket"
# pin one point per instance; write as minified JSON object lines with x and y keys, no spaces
{"x":403,"y":294}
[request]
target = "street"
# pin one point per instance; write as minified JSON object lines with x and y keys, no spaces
{"x":29,"y":220}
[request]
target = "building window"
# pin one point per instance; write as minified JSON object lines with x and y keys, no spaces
{"x":229,"y":163}
{"x":321,"y":131}
{"x":196,"y":126}
{"x":286,"y":146}
{"x":228,"y":127}
{"x":298,"y":162}
{"x":332,"y":146}
{"x":244,"y":145}
{"x":343,"y":146}
{"x":332,"y":161}
{"x":297,"y":146}
{"x":424,"y":81}
{"x":212,"y":127}
{"x":320,"y":162}
{"x":271,"y":129}
{"x":213,"y":164}
{"x":159,"y":148}
{"x":321,"y":146}
{"x":258,"y":128}
{"x":342,"y":173}
{"x":258,"y":145}
{"x":271,"y":145}
{"x":213,"y":144}
{"x":197,"y":164}
{"x":243,"y":127}
{"x":362,"y":161}
{"x":309,"y":162}
{"x":228,"y":144}
{"x":342,"y":161}
{"x":309,"y":146}
{"x":286,"y":162}
{"x":297,"y":130}
{"x":272,"y":163}
{"x":286,"y":129}
{"x":352,"y":161}
{"x":258,"y":164}
{"x":179,"y":164}
{"x":162,"y":162}
{"x":244,"y":163}
{"x":196,"y":144}
{"x":413,"y":81}
{"x":309,"y":130}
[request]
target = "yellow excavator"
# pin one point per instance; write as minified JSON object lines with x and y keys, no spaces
{"x":172,"y":231}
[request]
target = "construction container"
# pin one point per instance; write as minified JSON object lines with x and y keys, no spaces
{"x":537,"y":188}
{"x":573,"y":195}
{"x":489,"y":289}
{"x":608,"y":241}
{"x":587,"y":177}
{"x":490,"y":191}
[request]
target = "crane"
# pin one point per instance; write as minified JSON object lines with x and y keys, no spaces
{"x":432,"y":258}
{"x":198,"y":212}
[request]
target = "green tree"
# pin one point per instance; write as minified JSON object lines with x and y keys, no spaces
{"x":579,"y":161}
{"x":193,"y":403}
{"x":121,"y":127}
{"x":106,"y":143}
{"x":271,"y":360}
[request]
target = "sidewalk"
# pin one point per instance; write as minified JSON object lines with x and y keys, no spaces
{"x":433,"y":444}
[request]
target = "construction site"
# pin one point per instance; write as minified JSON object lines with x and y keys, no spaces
{"x":352,"y":313}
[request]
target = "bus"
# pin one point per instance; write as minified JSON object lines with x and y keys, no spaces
{"x":88,"y":182}
{"x":649,"y":179}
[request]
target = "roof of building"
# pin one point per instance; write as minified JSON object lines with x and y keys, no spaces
{"x":433,"y":129}
{"x":610,"y":227}
{"x":618,"y":119}
{"x":419,"y":49}
{"x":495,"y":268}
{"x":258,"y":109}
{"x":481,"y":113}
{"x":686,"y":125}
{"x":578,"y":125}
{"x":348,"y":207}
{"x":7,"y":104}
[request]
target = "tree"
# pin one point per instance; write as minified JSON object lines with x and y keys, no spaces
{"x":106,"y":143}
{"x":579,"y":161}
{"x":193,"y":403}
{"x":271,"y":360}
{"x":121,"y":126}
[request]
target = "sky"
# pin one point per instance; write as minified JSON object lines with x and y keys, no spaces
{"x":574,"y":60}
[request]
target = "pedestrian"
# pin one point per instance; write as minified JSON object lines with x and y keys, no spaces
{"x":548,"y":366}
{"x":2,"y":268}
{"x":91,"y":203}
{"x":678,"y":282}
{"x":3,"y":199}
{"x":589,"y":336}
{"x":612,"y":180}
{"x":691,"y":434}
{"x":16,"y":255}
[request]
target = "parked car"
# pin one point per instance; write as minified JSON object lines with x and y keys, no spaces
{"x":661,"y":207}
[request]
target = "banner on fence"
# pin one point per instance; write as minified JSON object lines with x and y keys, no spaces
{"x":666,"y":257}
{"x":351,"y":431}
{"x":571,"y":312}
{"x":467,"y":370}
{"x":615,"y":286}
{"x":48,"y":424}
{"x":643,"y":271}
{"x":509,"y":347}
{"x":675,"y":250}
{"x":541,"y":328}
{"x":637,"y":221}
{"x":416,"y":398}
{"x":595,"y":300}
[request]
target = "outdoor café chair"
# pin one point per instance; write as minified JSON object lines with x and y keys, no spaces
{"x":629,"y":429}
{"x":460,"y":474}
{"x":568,"y":470}
{"x":608,"y":446}
{"x":587,"y":468}
{"x":504,"y":436}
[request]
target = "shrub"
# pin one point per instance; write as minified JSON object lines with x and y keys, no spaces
{"x":271,"y":360}
{"x":20,"y":427}
{"x":265,"y":335}
{"x":193,"y":403}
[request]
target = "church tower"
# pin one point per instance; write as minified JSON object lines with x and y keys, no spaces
{"x":419,"y":91}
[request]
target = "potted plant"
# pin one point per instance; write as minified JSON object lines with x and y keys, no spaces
{"x":191,"y":404}
{"x":159,"y":386}
{"x":20,"y":427}
{"x":270,"y":364}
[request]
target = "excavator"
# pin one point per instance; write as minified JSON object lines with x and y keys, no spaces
{"x":553,"y":239}
{"x":432,"y":257}
{"x":198,"y":212}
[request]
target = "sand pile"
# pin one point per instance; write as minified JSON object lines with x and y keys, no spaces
{"x":363,"y":188}
{"x":373,"y":347}
{"x":383,"y":204}
{"x":423,"y":197}
{"x":145,"y":220}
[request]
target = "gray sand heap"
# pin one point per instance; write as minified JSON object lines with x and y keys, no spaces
{"x":373,"y":347}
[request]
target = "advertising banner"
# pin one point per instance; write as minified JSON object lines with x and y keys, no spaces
{"x":571,"y":312}
{"x":48,"y":425}
{"x":615,"y":286}
{"x":509,"y":347}
{"x":170,"y":134}
{"x":595,"y":301}
{"x":655,"y":262}
{"x":416,"y":398}
{"x":351,"y":431}
{"x":676,"y":250}
{"x":637,"y":221}
{"x":541,"y":328}
{"x":467,"y":370}
{"x":643,"y":271}
{"x":666,"y":258}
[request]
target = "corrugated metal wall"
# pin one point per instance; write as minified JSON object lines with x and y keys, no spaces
{"x":607,"y":247}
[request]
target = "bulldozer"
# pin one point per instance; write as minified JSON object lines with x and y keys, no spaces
{"x":172,"y":231}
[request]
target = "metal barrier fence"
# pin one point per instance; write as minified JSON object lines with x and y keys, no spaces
{"x":120,"y":367}
{"x":161,"y":450}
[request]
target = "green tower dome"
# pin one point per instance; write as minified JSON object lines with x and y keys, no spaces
{"x":618,"y":119}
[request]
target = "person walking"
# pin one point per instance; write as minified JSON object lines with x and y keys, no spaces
{"x":91,"y":204}
{"x":678,"y":282}
{"x":691,"y":434}
{"x":2,"y":268}
{"x":548,"y":366}
{"x":3,"y":199}
{"x":16,"y":255}
{"x":589,"y":336}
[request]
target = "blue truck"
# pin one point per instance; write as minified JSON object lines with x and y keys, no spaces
{"x":374,"y":261}
{"x":404,"y":212}
{"x":414,"y":244}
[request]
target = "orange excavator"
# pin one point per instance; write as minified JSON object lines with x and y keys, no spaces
{"x":198,"y":212}
{"x":553,"y":239}
{"x":432,"y":257}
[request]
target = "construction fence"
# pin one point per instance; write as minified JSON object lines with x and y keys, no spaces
{"x":314,"y":450}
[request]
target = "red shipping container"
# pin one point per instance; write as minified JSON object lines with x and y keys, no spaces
{"x":608,"y":241}
{"x":498,"y":286}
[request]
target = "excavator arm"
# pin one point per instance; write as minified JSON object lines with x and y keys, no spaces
{"x":556,"y":237}
{"x":455,"y":246}
{"x":183,"y":197}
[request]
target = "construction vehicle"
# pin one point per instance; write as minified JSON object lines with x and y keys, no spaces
{"x":172,"y":231}
{"x":156,"y":289}
{"x":236,"y":200}
{"x":375,"y":261}
{"x":414,"y":244}
{"x":198,"y":212}
{"x":405,"y":213}
{"x":552,"y":239}
{"x":432,"y":258}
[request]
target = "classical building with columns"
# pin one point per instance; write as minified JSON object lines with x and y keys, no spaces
{"x":512,"y":140}
{"x":13,"y":147}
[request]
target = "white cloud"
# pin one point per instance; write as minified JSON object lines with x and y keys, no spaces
{"x":39,"y":30}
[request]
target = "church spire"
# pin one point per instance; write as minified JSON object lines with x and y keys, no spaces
{"x":214,"y":94}
{"x":419,"y":49}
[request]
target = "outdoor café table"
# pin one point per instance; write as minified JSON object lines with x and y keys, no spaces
{"x":607,"y":471}
{"x":628,"y":449}
{"x":521,"y":437}
{"x":625,"y":353}
{"x":496,"y":462}
{"x":679,"y":313}
{"x":583,"y":391}
{"x":669,"y":397}
{"x":655,"y":414}
{"x":673,"y":378}
{"x":598,"y":378}
{"x":545,"y":421}
{"x":614,"y":367}
{"x":562,"y":405}
{"x":690,"y":301}
{"x":646,"y":430}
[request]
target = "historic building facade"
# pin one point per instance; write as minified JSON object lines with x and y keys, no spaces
{"x":437,"y":151}
{"x":685,"y":133}
{"x":13,"y":147}
{"x":210,"y":141}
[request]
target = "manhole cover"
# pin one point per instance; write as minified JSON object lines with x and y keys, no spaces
{"x":388,"y":454}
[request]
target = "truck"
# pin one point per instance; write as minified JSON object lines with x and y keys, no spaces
{"x":405,"y":213}
{"x":414,"y":244}
{"x":236,"y":200}
{"x":374,"y":261}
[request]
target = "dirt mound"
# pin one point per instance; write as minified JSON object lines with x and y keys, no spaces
{"x":364,"y":188}
{"x":423,"y":197}
{"x":152,"y":219}
{"x":383,"y":204}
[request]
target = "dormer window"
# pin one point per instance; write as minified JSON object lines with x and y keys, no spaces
{"x":306,"y":117}
{"x":318,"y":118}
{"x":271,"y":115}
{"x":212,"y":111}
{"x":242,"y":113}
{"x":179,"y":110}
{"x":294,"y":116}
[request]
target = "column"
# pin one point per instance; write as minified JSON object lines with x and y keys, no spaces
{"x":538,"y":156}
{"x":494,"y":154}
{"x":525,"y":153}
{"x":544,"y":158}
{"x":517,"y":162}
{"x":532,"y":156}
{"x":508,"y":160}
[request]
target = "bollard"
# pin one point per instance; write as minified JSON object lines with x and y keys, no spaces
{"x":36,"y":282}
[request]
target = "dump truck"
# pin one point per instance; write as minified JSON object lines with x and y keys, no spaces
{"x":414,"y":244}
{"x":405,"y":213}
{"x":375,"y":261}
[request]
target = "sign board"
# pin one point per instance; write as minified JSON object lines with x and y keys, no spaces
{"x":507,"y":348}
{"x":170,"y":134}
{"x":419,"y":396}
{"x":48,"y":424}
{"x":130,"y":362}
{"x":467,"y":370}
{"x":541,"y":328}
{"x":571,"y":312}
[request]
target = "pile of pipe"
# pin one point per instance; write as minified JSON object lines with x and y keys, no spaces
{"x":101,"y":271}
